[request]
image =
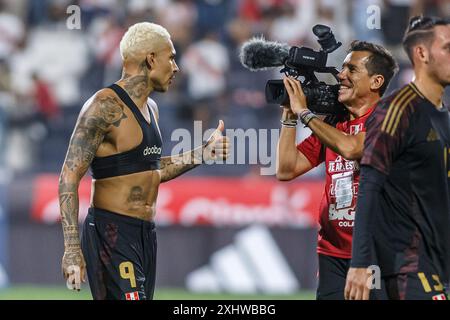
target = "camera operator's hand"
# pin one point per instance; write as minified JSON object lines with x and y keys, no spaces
{"x":296,"y":96}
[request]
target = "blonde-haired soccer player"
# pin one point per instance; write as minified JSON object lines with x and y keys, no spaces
{"x":117,"y":135}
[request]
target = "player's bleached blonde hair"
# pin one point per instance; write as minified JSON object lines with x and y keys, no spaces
{"x":142,"y":37}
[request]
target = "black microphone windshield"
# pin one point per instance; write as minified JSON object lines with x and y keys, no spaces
{"x":259,"y":54}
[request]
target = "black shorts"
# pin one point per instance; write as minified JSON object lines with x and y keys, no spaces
{"x":332,"y":278}
{"x":120,"y":255}
{"x":425,"y":284}
{"x":422,"y":285}
{"x":332,"y":275}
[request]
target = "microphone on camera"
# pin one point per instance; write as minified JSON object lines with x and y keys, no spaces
{"x":259,"y":54}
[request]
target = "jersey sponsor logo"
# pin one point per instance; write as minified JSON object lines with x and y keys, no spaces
{"x":132,"y":295}
{"x":341,"y":164}
{"x":345,"y":217}
{"x":153,"y":150}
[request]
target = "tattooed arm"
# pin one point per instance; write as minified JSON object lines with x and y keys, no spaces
{"x":97,"y":117}
{"x":217,"y":147}
{"x":173,"y":166}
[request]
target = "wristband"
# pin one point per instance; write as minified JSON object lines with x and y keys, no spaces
{"x":289,"y":119}
{"x":289,"y":123}
{"x":306,"y":116}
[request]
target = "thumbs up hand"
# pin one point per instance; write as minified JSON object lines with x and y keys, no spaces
{"x":218,"y":146}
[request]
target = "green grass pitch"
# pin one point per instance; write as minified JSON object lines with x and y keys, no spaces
{"x":33,"y":292}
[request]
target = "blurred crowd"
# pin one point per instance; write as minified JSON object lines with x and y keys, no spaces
{"x":48,"y":70}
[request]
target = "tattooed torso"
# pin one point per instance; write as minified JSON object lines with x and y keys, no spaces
{"x":134,"y":194}
{"x":106,"y":127}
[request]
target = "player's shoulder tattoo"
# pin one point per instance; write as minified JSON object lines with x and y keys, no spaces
{"x":101,"y":112}
{"x":106,"y":108}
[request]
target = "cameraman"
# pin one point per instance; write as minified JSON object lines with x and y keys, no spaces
{"x":365,"y":75}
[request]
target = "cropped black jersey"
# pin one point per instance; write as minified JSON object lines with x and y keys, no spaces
{"x":146,"y":156}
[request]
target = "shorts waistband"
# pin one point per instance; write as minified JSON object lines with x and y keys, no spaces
{"x":109,"y":215}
